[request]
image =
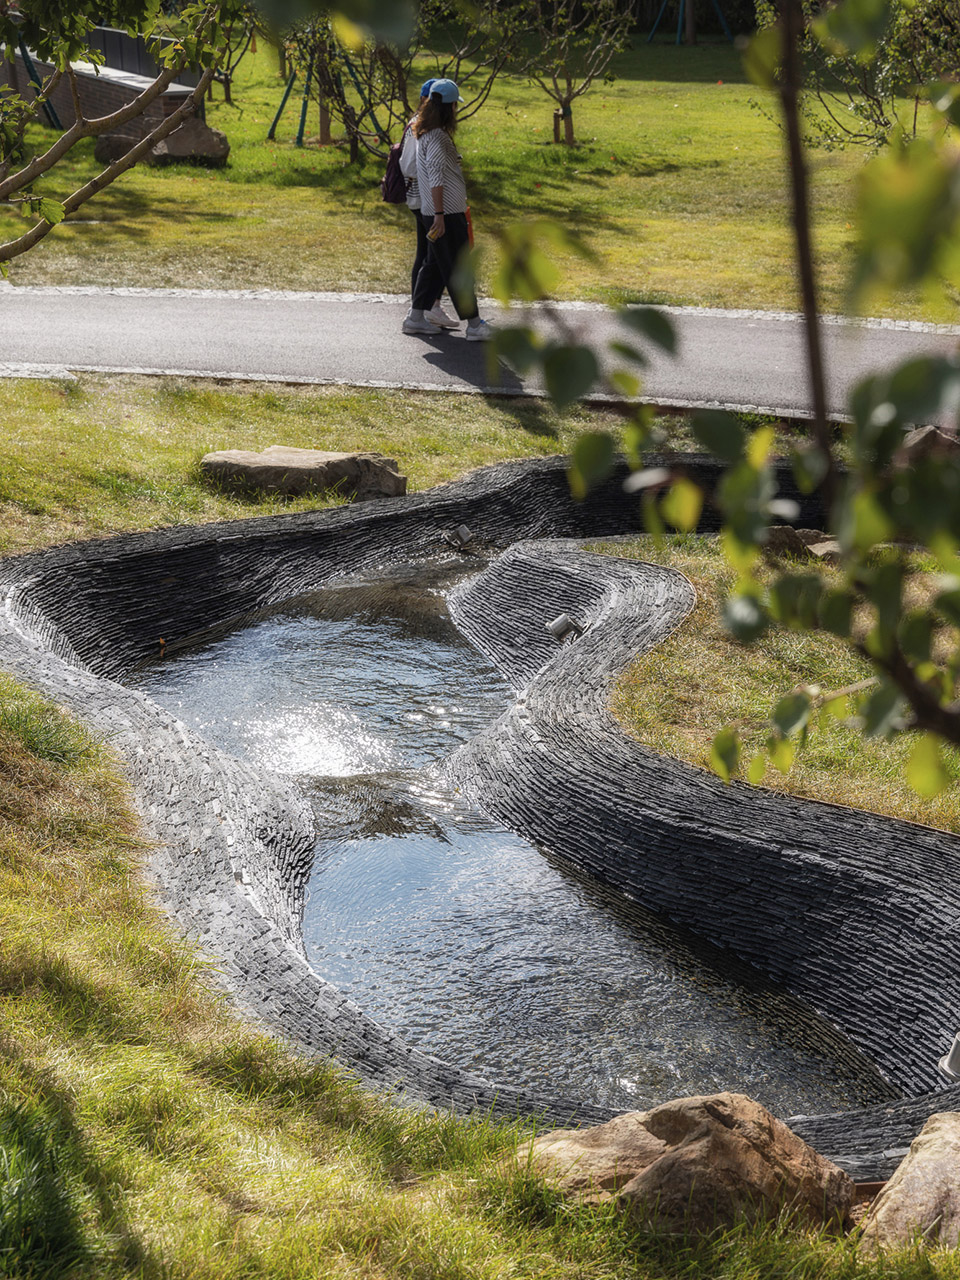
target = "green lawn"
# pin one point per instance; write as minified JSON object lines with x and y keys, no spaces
{"x":677,"y":183}
{"x":107,"y":455}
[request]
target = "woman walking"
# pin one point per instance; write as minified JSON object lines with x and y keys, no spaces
{"x":408,"y":167}
{"x":443,"y":210}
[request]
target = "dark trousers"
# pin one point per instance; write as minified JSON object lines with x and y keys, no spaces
{"x":420,"y":259}
{"x":435,"y":274}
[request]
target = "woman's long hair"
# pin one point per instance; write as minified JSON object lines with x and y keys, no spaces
{"x":435,"y":114}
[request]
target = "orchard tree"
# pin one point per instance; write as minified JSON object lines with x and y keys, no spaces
{"x":572,"y":44}
{"x":371,"y":85}
{"x":849,"y":98}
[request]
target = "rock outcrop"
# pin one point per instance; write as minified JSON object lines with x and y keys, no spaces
{"x":921,"y":1202}
{"x":192,"y":141}
{"x":695,"y":1164}
{"x":292,"y":472}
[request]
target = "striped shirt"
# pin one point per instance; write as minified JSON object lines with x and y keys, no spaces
{"x":438,"y":165}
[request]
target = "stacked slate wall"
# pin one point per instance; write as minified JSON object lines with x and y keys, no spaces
{"x":855,"y":914}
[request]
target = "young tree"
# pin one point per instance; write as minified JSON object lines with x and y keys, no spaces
{"x":849,"y":98}
{"x":573,"y":43}
{"x":892,"y":509}
{"x":371,"y":85}
{"x":57,"y":35}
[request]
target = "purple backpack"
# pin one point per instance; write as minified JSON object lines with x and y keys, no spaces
{"x":393,"y":185}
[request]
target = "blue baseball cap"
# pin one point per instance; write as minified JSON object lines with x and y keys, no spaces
{"x":425,"y":90}
{"x":446,"y":90}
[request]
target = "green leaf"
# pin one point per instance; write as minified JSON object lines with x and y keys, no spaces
{"x":757,"y":769}
{"x":636,"y":436}
{"x":725,"y":753}
{"x":656,"y":326}
{"x":681,"y":507}
{"x":520,"y":347}
{"x":881,"y":711}
{"x":741,"y":556}
{"x":52,"y":210}
{"x":651,"y":519}
{"x":569,"y":373}
{"x":853,"y":26}
{"x":948,"y":604}
{"x":907,"y":216}
{"x":945,"y":96}
{"x":719,"y":433}
{"x":631,"y":353}
{"x":925,"y":768}
{"x":809,"y":467}
{"x":745,"y":617}
{"x":794,"y":598}
{"x":590,"y":463}
{"x":759,"y":445}
{"x":869,"y":522}
{"x":836,"y":612}
{"x":791,"y":713}
{"x":762,"y":56}
{"x":626,"y":383}
{"x":782,"y":753}
{"x":883,"y":587}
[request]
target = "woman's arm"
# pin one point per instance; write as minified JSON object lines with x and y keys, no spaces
{"x":438,"y":224}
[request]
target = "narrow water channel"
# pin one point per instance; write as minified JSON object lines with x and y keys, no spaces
{"x":468,"y":940}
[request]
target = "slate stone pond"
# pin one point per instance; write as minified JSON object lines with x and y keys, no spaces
{"x":472,"y":943}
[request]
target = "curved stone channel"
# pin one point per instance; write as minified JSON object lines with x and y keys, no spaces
{"x":855,"y":915}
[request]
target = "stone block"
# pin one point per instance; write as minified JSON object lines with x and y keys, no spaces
{"x":292,"y":472}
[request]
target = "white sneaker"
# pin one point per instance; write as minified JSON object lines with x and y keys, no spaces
{"x":440,"y":317}
{"x":421,"y":325}
{"x":481,"y":332}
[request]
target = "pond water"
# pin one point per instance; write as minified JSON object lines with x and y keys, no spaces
{"x":468,"y":940}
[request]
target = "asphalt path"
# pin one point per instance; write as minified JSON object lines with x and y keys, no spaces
{"x":740,"y":359}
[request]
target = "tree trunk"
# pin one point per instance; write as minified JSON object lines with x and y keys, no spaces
{"x":282,"y":69}
{"x":567,"y":124}
{"x":350,"y":120}
{"x":690,"y":22}
{"x":557,"y":117}
{"x":325,"y":138}
{"x":227,"y":95}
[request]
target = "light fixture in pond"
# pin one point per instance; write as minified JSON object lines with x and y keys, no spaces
{"x":459,"y":537}
{"x":563,"y":625}
{"x":949,"y":1064}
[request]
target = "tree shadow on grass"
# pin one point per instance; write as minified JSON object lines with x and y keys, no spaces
{"x":49,"y":1176}
{"x":532,"y":415}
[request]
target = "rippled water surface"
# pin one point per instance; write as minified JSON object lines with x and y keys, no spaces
{"x":462,"y":936}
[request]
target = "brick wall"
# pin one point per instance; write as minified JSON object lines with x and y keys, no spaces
{"x":102,"y":91}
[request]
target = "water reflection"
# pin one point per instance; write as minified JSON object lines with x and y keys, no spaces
{"x":462,"y":936}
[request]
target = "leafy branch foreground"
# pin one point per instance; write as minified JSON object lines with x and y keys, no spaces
{"x":144,"y":1131}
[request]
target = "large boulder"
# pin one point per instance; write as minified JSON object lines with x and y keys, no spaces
{"x":927,"y":442}
{"x":191,"y":141}
{"x":696,"y":1164}
{"x":921,"y":1202}
{"x":292,"y":472}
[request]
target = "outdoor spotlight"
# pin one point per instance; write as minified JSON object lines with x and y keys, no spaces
{"x":949,"y":1064}
{"x":563,"y":625}
{"x":458,"y":537}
